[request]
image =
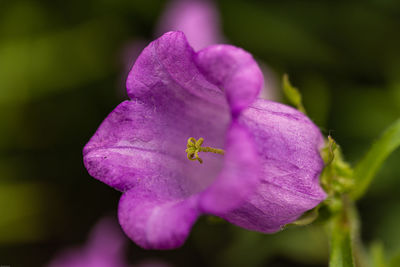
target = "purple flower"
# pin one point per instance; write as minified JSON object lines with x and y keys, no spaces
{"x":198,"y":19}
{"x":104,"y":248}
{"x":267,"y":177}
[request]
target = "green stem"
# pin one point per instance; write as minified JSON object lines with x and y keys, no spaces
{"x":344,"y":231}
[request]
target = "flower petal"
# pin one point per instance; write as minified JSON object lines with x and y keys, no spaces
{"x":154,"y":220}
{"x":288,"y":144}
{"x":165,"y":74}
{"x":138,"y":144}
{"x":104,"y":248}
{"x":198,"y":19}
{"x":233,"y":70}
{"x":268,"y":176}
{"x":171,"y":101}
{"x":239,"y":176}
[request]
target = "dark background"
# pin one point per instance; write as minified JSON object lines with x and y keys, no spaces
{"x":62,"y":70}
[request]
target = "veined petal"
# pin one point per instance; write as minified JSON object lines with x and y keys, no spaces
{"x":138,"y":144}
{"x":270,"y":208}
{"x":267,"y":178}
{"x":154,"y":220}
{"x":233,"y":70}
{"x":239,"y":175}
{"x":160,"y":217}
{"x":171,"y":101}
{"x":288,"y":145}
{"x":166,"y":75}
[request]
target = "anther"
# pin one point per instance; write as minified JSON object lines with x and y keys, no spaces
{"x":194,"y":147}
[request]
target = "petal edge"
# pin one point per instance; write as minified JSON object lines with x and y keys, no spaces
{"x":154,"y":221}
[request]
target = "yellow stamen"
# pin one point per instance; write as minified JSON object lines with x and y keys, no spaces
{"x":194,"y":147}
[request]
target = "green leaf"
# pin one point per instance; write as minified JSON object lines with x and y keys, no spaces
{"x":395,"y":260}
{"x":341,"y":254}
{"x":366,"y":169}
{"x":292,"y":94}
{"x":378,"y":255}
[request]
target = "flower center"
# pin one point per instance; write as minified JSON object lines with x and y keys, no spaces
{"x":194,"y":147}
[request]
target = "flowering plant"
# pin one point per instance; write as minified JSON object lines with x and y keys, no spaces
{"x":196,"y":138}
{"x":267,"y":178}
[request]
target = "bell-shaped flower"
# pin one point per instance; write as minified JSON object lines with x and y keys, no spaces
{"x":194,"y":139}
{"x":104,"y":248}
{"x":197,"y":19}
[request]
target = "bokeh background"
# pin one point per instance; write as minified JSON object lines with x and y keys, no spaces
{"x":62,"y":70}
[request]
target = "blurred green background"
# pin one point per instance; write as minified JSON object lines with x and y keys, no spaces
{"x":62,"y":70}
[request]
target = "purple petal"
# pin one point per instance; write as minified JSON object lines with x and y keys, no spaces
{"x":165,"y":71}
{"x":239,"y":176}
{"x":140,"y":146}
{"x":104,"y":248}
{"x":172,"y":101}
{"x":233,"y":70}
{"x":146,"y":137}
{"x":268,"y":176}
{"x":198,"y":19}
{"x":105,"y":233}
{"x":288,"y":144}
{"x":160,"y":217}
{"x":138,"y":143}
{"x":156,"y":220}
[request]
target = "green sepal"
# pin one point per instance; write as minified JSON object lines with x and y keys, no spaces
{"x":337,"y":176}
{"x":328,"y":152}
{"x":292,"y":94}
{"x":307,"y":218}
